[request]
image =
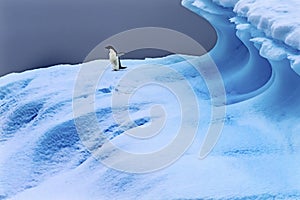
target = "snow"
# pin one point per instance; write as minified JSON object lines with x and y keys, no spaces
{"x":142,"y":109}
{"x":280,"y":20}
{"x":226,"y":3}
{"x":276,"y":21}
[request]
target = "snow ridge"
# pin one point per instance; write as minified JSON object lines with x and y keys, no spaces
{"x":275,"y":26}
{"x":257,"y":156}
{"x":251,"y":21}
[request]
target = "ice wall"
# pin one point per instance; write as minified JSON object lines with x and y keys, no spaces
{"x":257,"y":51}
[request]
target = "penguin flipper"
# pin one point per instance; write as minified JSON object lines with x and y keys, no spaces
{"x":121,"y":67}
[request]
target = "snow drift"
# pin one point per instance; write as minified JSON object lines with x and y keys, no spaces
{"x":257,"y":156}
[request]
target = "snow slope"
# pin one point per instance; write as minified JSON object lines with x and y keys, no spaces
{"x":256,"y":157}
{"x":250,"y":31}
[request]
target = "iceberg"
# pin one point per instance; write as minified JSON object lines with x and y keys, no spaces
{"x":44,"y":155}
{"x":259,"y":45}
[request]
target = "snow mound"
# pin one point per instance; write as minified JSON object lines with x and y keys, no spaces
{"x":277,"y":19}
{"x":256,"y":157}
{"x":269,"y":22}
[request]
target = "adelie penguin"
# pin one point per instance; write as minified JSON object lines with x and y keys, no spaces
{"x":114,"y":58}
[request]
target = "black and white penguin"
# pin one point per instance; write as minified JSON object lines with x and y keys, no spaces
{"x":114,"y":58}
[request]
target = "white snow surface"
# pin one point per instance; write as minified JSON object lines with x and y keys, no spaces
{"x":276,"y":21}
{"x":42,"y":156}
{"x":226,"y":3}
{"x":256,"y":157}
{"x":279,"y":20}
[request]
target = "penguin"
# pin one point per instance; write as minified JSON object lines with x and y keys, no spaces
{"x":115,"y":59}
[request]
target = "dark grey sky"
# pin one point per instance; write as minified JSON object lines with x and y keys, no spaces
{"x":38,"y":33}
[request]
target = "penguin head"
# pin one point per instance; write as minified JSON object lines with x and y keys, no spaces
{"x":111,"y":48}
